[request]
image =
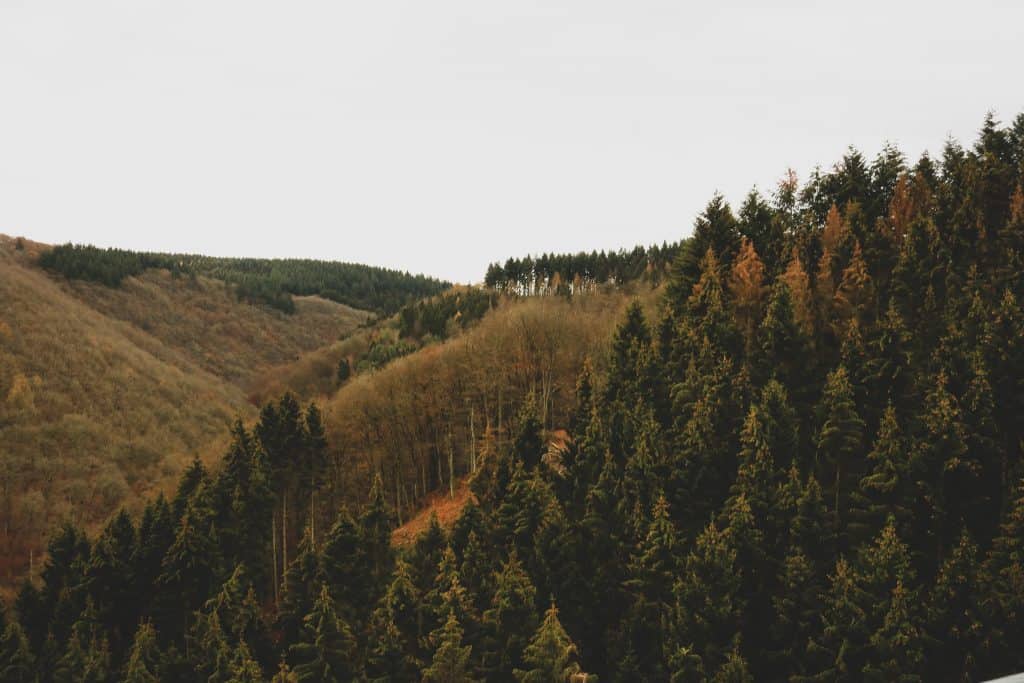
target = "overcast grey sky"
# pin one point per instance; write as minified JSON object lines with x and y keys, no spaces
{"x":437,"y":136}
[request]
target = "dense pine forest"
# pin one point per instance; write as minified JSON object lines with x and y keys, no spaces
{"x":268,"y":281}
{"x":806,"y":465}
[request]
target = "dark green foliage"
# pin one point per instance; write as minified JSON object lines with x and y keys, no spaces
{"x":16,"y":661}
{"x":438,"y":316}
{"x":268,"y":281}
{"x":803,"y":477}
{"x":510,"y":621}
{"x":325,"y":653}
{"x":534,"y":275}
{"x":143,"y":665}
{"x":551,"y":655}
{"x":450,"y":663}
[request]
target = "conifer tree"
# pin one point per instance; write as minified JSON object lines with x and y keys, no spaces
{"x":796,"y":280}
{"x":188,"y":572}
{"x":953,"y":616}
{"x":836,"y":652}
{"x":884,"y":490}
{"x":797,"y":604}
{"x":896,"y":648}
{"x":301,"y":583}
{"x":326,"y":651}
{"x":32,"y":617}
{"x":346,"y":569}
{"x":783,"y":352}
{"x":143,"y":665}
{"x":450,"y":662}
{"x":746,"y":285}
{"x":375,"y":525}
{"x":708,"y":605}
{"x":839,"y":444}
{"x":551,"y":655}
{"x":190,"y":480}
{"x":1002,"y":578}
{"x":511,"y":619}
{"x":110,"y":578}
{"x":715,"y":230}
{"x":477,"y":570}
{"x":854,"y":297}
{"x":16,"y":661}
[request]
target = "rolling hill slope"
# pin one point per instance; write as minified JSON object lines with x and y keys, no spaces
{"x":105,"y":393}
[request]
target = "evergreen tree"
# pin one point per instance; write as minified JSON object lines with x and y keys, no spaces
{"x":839,"y":444}
{"x":510,"y":621}
{"x":450,"y":662}
{"x":887,"y":486}
{"x":551,"y":655}
{"x":144,"y":658}
{"x":954,"y":618}
{"x":16,"y":661}
{"x":346,"y":568}
{"x":326,"y":651}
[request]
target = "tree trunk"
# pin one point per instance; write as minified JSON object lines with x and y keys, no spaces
{"x":451,"y":467}
{"x":273,"y":557}
{"x":284,"y":530}
{"x":472,"y":441}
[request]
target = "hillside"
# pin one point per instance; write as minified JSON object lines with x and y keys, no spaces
{"x":797,"y":456}
{"x":106,"y":393}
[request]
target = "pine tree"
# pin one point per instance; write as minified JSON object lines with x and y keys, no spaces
{"x":301,"y":583}
{"x":747,"y":287}
{"x":797,"y":605}
{"x":375,"y":525}
{"x":110,"y":578}
{"x":837,"y":652}
{"x":144,"y":658}
{"x":188,"y":572}
{"x":796,"y":280}
{"x":450,"y":662}
{"x":190,"y":480}
{"x":708,"y":605}
{"x":346,"y":568}
{"x":715,"y":230}
{"x":954,"y":617}
{"x":1002,"y":593}
{"x":551,"y":655}
{"x":839,"y":444}
{"x":896,"y":649}
{"x":16,"y":661}
{"x":326,"y":651}
{"x":886,"y":487}
{"x":511,"y":619}
{"x":32,"y":617}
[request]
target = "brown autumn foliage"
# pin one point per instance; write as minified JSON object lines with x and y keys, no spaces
{"x":855,"y":288}
{"x":747,"y":286}
{"x":426,"y":419}
{"x":795,"y":277}
{"x":106,"y":394}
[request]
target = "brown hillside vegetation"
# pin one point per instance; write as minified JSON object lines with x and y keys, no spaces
{"x":105,"y":394}
{"x":447,"y":506}
{"x":430,"y":416}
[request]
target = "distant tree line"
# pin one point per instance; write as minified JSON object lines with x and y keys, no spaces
{"x":269,"y":281}
{"x":571,"y":273}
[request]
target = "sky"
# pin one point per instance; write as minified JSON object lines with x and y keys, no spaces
{"x":440,"y":136}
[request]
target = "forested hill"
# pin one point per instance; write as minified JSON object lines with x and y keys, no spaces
{"x":564,"y":273}
{"x":269,"y":281}
{"x":803,"y":464}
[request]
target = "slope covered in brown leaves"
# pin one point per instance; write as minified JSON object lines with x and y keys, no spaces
{"x":105,"y":394}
